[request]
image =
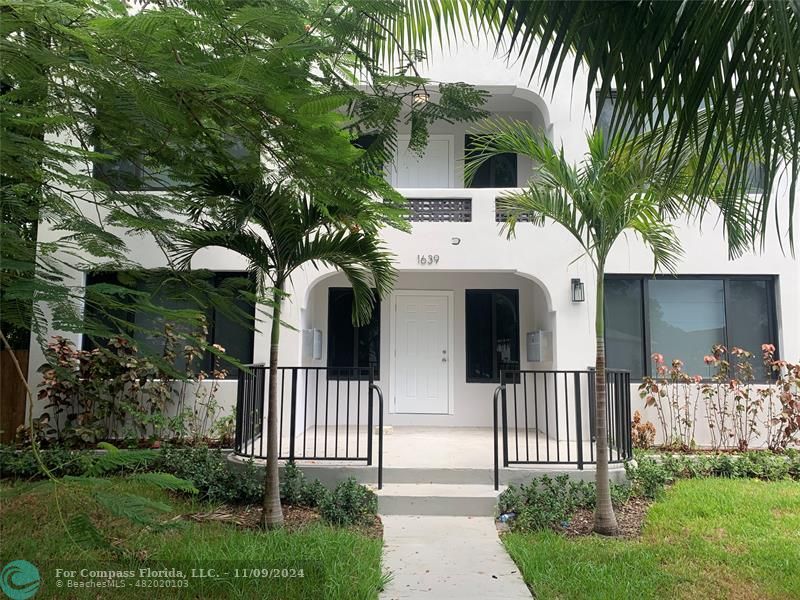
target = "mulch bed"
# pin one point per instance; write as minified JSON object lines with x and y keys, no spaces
{"x":294,"y":518}
{"x":630,"y":517}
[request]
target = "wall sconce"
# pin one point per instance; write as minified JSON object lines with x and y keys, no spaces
{"x":421,"y":97}
{"x":578,"y":294}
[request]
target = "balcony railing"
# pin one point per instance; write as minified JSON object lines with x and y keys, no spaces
{"x":456,"y":205}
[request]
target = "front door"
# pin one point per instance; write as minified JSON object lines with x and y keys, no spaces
{"x":421,"y":381}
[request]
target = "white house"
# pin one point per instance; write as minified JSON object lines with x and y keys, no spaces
{"x":468,"y":302}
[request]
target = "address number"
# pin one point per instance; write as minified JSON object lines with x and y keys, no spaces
{"x":427,"y":259}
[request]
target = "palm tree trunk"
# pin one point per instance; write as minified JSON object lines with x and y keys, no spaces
{"x":605,"y":521}
{"x":272,"y":514}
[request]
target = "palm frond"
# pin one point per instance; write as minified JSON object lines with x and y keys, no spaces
{"x":708,"y":73}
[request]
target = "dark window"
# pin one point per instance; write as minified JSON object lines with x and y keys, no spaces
{"x":227,"y":326}
{"x":492,"y":332}
{"x":684,"y":317}
{"x":625,"y":325}
{"x":351,"y":349}
{"x":605,"y":115}
{"x":498,"y":172}
{"x":127,"y":175}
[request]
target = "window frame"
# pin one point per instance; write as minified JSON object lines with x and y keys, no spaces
{"x":495,"y":370}
{"x":644,"y":279}
{"x":356,"y":369}
{"x":206,"y":362}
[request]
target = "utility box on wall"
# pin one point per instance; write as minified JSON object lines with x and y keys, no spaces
{"x":312,"y":343}
{"x":538,"y":345}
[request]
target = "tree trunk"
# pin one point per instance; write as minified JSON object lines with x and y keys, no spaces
{"x":605,"y":521}
{"x":272,"y":514}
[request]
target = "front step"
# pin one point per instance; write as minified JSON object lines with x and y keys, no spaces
{"x":437,"y":500}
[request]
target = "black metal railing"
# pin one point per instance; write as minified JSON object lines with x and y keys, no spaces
{"x":548,"y":417}
{"x":323,"y":414}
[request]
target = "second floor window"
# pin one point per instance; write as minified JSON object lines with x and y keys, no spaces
{"x":497,"y":172}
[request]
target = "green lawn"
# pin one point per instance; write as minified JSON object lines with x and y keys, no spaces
{"x":708,"y":538}
{"x":336,"y":563}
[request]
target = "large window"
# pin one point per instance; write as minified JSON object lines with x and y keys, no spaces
{"x":497,"y":172}
{"x":492,"y":332}
{"x":351,"y":349}
{"x":684,"y":317}
{"x":228,"y":326}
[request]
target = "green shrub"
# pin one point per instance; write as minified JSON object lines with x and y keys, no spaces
{"x":296,"y":490}
{"x":313,"y":494}
{"x":349,"y":503}
{"x":20,"y":463}
{"x":549,"y":503}
{"x":293,"y":482}
{"x":647,"y":477}
{"x":211,"y":474}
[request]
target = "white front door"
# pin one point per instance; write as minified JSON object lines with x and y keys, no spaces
{"x":422,"y":352}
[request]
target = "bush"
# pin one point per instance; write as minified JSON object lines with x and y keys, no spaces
{"x":649,"y":474}
{"x":21,"y":463}
{"x":215,"y":479}
{"x":293,"y":483}
{"x":349,"y":504}
{"x":647,"y":477}
{"x":548,"y":503}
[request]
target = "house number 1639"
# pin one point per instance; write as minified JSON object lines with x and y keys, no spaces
{"x":427,"y":259}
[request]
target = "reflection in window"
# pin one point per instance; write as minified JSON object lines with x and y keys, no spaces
{"x":624,"y":325}
{"x":684,"y":317}
{"x":351,"y":348}
{"x":687,"y":317}
{"x":492,"y":332}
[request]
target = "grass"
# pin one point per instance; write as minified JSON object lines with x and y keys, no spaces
{"x":336,"y":563}
{"x":708,"y":538}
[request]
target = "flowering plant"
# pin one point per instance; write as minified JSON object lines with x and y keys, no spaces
{"x":736,"y":406}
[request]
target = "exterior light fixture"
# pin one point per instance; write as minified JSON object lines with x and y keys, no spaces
{"x":421,"y":97}
{"x":578,"y":294}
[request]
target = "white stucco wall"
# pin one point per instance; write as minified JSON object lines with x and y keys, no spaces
{"x":540,"y":261}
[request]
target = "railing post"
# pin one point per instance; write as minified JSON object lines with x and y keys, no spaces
{"x":626,"y":378}
{"x":293,"y":414}
{"x":237,"y":435}
{"x":370,"y":397}
{"x":592,"y":407}
{"x":497,"y":391}
{"x":505,"y":419}
{"x":380,"y":439}
{"x":579,"y":419}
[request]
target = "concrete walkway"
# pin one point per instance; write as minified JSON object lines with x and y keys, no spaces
{"x":448,"y":557}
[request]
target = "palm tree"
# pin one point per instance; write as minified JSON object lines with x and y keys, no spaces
{"x":279,"y":230}
{"x":666,"y":62}
{"x":611,"y":192}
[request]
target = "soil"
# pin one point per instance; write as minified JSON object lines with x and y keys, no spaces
{"x":630,"y":518}
{"x":295,"y":518}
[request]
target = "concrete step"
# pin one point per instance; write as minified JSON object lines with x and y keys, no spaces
{"x":423,"y":475}
{"x":437,"y":499}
